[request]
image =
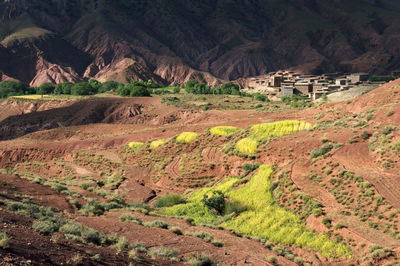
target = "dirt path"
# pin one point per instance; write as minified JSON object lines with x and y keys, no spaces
{"x":172,"y":168}
{"x":210,"y":154}
{"x":333,"y":209}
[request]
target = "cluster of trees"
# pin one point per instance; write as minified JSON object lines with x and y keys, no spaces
{"x":134,"y":89}
{"x":12,"y":88}
{"x":195,"y":87}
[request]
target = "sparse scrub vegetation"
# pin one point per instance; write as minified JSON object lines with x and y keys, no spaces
{"x":169,"y":200}
{"x":4,"y":240}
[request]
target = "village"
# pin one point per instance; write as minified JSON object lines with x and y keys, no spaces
{"x":287,"y":83}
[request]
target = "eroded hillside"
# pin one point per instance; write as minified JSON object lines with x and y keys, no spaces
{"x":313,"y":186}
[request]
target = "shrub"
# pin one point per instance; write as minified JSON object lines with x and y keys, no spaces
{"x":176,"y":230}
{"x":200,"y":260}
{"x":216,"y":201}
{"x":45,"y":227}
{"x":202,"y":235}
{"x":327,"y":222}
{"x":4,"y":240}
{"x":169,"y":200}
{"x":71,"y":228}
{"x":130,"y":218}
{"x":90,"y":235}
{"x":157,"y":223}
{"x":324,"y":149}
{"x":186,"y":137}
{"x":132,"y":254}
{"x":121,"y":244}
{"x":223,"y":130}
{"x":164,"y":252}
{"x":272,"y":259}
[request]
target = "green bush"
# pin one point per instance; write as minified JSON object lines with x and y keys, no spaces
{"x":157,"y":223}
{"x":164,"y":252}
{"x":216,"y":201}
{"x":176,"y":230}
{"x":130,"y":218}
{"x":45,"y":227}
{"x":200,"y":260}
{"x":169,"y":200}
{"x":324,"y":149}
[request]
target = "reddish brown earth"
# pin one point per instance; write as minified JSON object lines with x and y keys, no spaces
{"x":83,"y":148}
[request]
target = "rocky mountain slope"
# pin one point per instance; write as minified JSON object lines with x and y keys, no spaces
{"x":213,"y":40}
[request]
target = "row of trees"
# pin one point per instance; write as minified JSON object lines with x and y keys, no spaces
{"x":133,"y":89}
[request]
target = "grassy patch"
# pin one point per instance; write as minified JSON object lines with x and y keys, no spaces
{"x":169,"y":200}
{"x":223,"y":130}
{"x":186,"y":137}
{"x":261,"y":217}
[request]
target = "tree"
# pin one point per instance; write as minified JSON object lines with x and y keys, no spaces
{"x":230,"y":88}
{"x":45,"y":88}
{"x":139,"y":91}
{"x":109,"y":86}
{"x":216,"y":201}
{"x":63,"y":88}
{"x":10,"y":88}
{"x":83,"y":88}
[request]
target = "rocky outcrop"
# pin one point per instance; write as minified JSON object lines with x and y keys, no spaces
{"x":212,"y":41}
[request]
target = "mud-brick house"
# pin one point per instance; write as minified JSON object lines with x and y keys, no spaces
{"x":276,"y":81}
{"x":303,"y":88}
{"x":358,"y":77}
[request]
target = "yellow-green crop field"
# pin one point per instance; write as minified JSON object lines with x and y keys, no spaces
{"x":32,"y":97}
{"x":267,"y":130}
{"x":257,"y":215}
{"x":223,"y":130}
{"x":135,"y":146}
{"x":186,"y":137}
{"x":157,"y":143}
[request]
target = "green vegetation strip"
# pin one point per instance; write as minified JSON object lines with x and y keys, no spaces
{"x":262,"y":132}
{"x":251,"y":210}
{"x":223,"y":130}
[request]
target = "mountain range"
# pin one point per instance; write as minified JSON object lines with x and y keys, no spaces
{"x":172,"y":41}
